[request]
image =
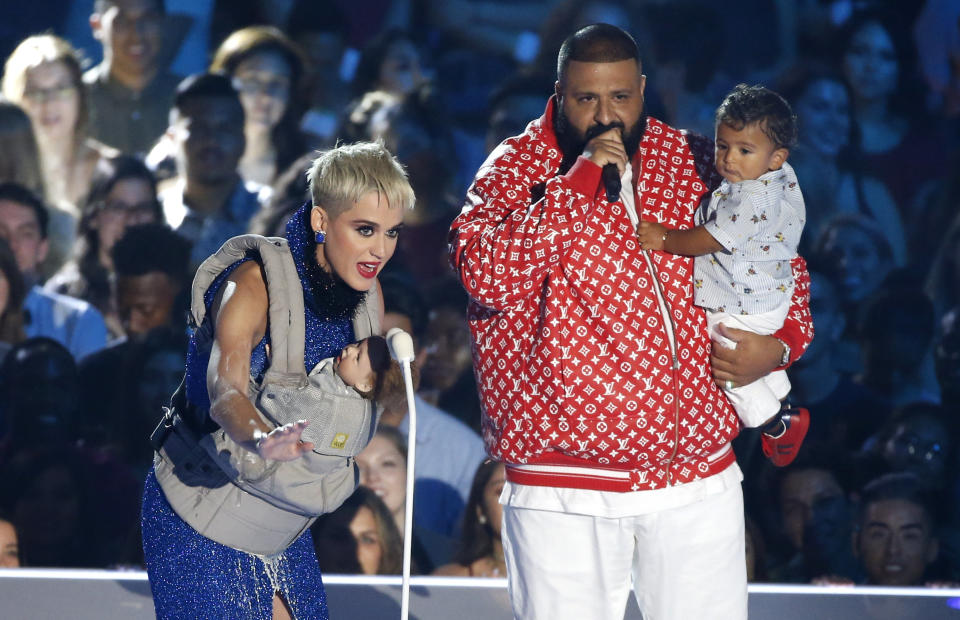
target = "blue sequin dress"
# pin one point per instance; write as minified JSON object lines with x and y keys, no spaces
{"x":194,"y":577}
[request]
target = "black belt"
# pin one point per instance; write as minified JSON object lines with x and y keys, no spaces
{"x":181,"y":413}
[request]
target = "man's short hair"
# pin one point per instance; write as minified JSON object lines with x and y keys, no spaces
{"x":100,"y":6}
{"x":150,"y":248}
{"x":904,"y":486}
{"x":597,"y":43}
{"x":14,"y":192}
{"x":341,"y":176}
{"x":746,"y":105}
{"x":201,"y":85}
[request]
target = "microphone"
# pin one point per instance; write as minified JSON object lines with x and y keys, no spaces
{"x":400,"y":344}
{"x":401,"y":348}
{"x":611,"y":182}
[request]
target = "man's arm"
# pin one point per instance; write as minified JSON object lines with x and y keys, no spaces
{"x":756,"y":356}
{"x":503,"y":245}
{"x":240,"y":320}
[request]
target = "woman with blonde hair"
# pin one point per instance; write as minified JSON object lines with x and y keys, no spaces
{"x":266,"y":68}
{"x":44,"y":77}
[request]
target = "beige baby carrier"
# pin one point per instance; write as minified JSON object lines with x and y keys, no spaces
{"x":230,"y":494}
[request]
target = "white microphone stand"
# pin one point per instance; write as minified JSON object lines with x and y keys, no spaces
{"x":401,"y":347}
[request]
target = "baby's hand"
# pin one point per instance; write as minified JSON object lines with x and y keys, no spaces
{"x":651,"y":235}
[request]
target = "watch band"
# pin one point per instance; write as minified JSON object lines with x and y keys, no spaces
{"x":785,"y":358}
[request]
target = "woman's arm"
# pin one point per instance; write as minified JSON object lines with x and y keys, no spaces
{"x":240,"y":321}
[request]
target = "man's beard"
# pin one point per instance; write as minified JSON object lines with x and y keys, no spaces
{"x":572,"y":142}
{"x":332,"y":297}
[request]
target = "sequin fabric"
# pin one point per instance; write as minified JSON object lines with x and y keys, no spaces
{"x":194,"y":577}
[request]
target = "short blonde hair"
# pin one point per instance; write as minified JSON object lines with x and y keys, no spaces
{"x":341,"y":176}
{"x":35,"y":51}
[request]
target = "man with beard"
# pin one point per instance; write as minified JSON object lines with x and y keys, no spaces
{"x":594,"y":364}
{"x":209,"y":202}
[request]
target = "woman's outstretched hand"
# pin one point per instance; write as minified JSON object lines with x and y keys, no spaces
{"x":283,"y":443}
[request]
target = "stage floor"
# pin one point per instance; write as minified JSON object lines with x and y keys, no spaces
{"x":38,"y":594}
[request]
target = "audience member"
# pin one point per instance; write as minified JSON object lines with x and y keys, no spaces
{"x":267,"y":70}
{"x":49,"y":492}
{"x":75,"y":323}
{"x":937,"y":38}
{"x":383,"y":470}
{"x":390,"y":62}
{"x":321,"y":32}
{"x":943,"y":280}
{"x":481,"y":551}
{"x":511,"y":106}
{"x":895,"y":537}
{"x":19,"y":157}
{"x":44,"y":77}
{"x":687,"y":47}
{"x":151,"y":286}
{"x":854,"y":250}
{"x":805,"y":491}
{"x":124,"y":386}
{"x":123,"y":193}
{"x":209,"y":203}
{"x":413,"y":128}
{"x":448,"y":452}
{"x":359,"y":537}
{"x":130,"y":92}
{"x":20,"y":163}
{"x":829,"y":159}
{"x":13,"y":291}
{"x":50,"y":508}
{"x":896,"y":333}
{"x":843,"y":412}
{"x":446,"y":342}
{"x":916,"y":438}
{"x":40,"y":393}
{"x":947,"y":356}
{"x":878,"y":58}
{"x":9,"y":545}
{"x":288,"y":194}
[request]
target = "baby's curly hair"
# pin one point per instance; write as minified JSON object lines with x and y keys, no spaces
{"x":746,"y":105}
{"x":389,"y":390}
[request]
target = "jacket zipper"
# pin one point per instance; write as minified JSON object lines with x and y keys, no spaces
{"x":675,"y":363}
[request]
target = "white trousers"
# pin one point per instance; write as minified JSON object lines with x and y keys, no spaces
{"x":755,"y":402}
{"x":681,"y":563}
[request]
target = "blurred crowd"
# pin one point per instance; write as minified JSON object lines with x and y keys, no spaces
{"x":138,"y":135}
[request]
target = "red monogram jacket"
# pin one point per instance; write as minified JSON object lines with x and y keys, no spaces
{"x":585,"y":378}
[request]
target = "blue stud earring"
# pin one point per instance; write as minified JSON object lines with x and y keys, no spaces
{"x":320,"y":236}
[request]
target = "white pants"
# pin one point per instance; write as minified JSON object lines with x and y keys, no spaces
{"x":755,"y":402}
{"x":682,"y":563}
